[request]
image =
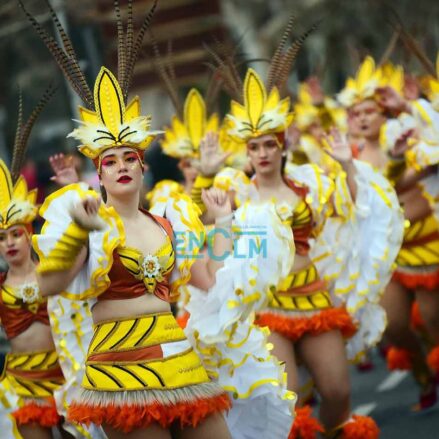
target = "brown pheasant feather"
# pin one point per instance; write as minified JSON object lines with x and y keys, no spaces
{"x":23,"y":132}
{"x":275,"y":63}
{"x":287,"y":61}
{"x":134,"y":54}
{"x":68,"y":64}
{"x":166,"y":76}
{"x":121,"y":56}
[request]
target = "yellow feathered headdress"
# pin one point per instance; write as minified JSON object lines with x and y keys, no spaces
{"x":256,"y":108}
{"x":107,"y":120}
{"x":363,"y":86}
{"x":182,"y":139}
{"x":328,"y":113}
{"x":17,"y":204}
{"x":368,"y":79}
{"x":259,"y":114}
{"x":112,"y":124}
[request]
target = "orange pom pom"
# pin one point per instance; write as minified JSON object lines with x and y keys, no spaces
{"x":361,"y":427}
{"x":399,"y":359}
{"x":43,"y":415}
{"x":295,"y":328}
{"x":433,"y":359}
{"x":305,"y":426}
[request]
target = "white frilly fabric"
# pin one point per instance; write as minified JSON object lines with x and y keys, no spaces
{"x":234,"y":350}
{"x":357,"y":246}
{"x":356,"y":243}
{"x":424,"y":151}
{"x":8,"y":403}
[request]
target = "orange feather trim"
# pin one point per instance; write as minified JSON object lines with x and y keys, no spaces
{"x":296,"y":327}
{"x":305,"y":426}
{"x":430,"y":281}
{"x":433,"y":359}
{"x":361,"y":427}
{"x":43,"y":415}
{"x":127,"y":418}
{"x":183,"y":319}
{"x":398,"y":359}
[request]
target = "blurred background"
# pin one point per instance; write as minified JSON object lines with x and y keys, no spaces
{"x":347,"y":31}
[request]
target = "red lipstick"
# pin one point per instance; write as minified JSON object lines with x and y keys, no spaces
{"x":124,"y":179}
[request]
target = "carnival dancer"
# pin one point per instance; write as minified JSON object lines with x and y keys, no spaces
{"x":142,"y":377}
{"x":304,"y":318}
{"x":32,"y":371}
{"x":399,"y":139}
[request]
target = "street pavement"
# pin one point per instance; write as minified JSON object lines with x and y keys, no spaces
{"x":387,"y":397}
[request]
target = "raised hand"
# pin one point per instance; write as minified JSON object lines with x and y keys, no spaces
{"x":64,"y":169}
{"x":339,"y":148}
{"x":402,"y":144}
{"x":211,"y":158}
{"x":391,"y":100}
{"x":217,"y":202}
{"x":85,"y":213}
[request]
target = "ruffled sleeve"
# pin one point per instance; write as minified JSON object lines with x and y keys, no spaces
{"x":92,"y":279}
{"x":234,"y":350}
{"x":231,"y":179}
{"x":356,"y":249}
{"x":8,"y":403}
{"x":374,"y":236}
{"x":72,"y":331}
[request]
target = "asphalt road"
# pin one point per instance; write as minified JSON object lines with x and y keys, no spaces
{"x":388,"y":397}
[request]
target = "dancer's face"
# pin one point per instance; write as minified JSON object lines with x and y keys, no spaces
{"x":265,"y":154}
{"x":15,"y":245}
{"x":121,"y":171}
{"x":188,"y":170}
{"x":368,"y":117}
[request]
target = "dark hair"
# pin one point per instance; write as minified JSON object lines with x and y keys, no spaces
{"x":103,"y":193}
{"x":283,"y":164}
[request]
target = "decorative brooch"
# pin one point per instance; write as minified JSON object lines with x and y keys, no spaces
{"x":30,"y":292}
{"x":150,"y":266}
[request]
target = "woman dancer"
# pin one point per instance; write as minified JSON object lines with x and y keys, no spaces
{"x":372,"y":99}
{"x":32,"y":370}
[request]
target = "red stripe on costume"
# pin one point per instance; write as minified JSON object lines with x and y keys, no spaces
{"x":127,"y":418}
{"x":296,"y":327}
{"x":305,"y":426}
{"x":154,"y":352}
{"x":430,"y":281}
{"x":398,"y":359}
{"x":43,"y":415}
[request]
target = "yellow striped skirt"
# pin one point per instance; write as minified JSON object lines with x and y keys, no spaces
{"x":144,"y":366}
{"x":418,"y":259}
{"x":304,"y":307}
{"x":34,"y":376}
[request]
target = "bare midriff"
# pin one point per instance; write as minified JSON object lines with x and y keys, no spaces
{"x":38,"y":337}
{"x":118,"y":309}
